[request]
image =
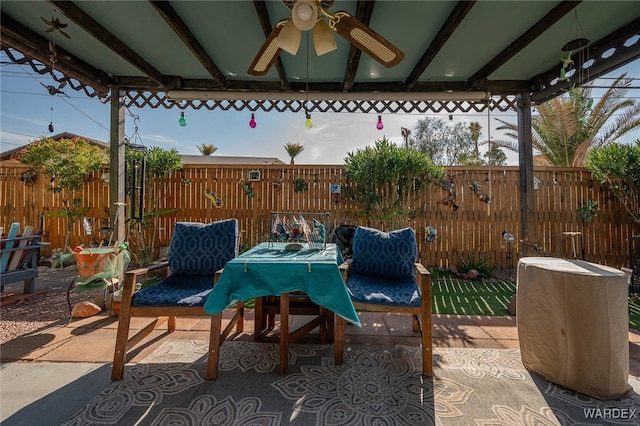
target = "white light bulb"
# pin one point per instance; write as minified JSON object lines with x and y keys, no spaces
{"x":305,"y":11}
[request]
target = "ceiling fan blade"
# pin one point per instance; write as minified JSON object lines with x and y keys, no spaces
{"x":323,"y":39}
{"x":267,"y":54}
{"x":289,"y":38}
{"x":365,"y":39}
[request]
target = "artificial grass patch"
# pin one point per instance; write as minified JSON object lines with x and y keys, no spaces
{"x":458,"y":297}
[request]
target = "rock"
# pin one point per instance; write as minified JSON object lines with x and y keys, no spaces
{"x":85,"y":310}
{"x":473,"y":273}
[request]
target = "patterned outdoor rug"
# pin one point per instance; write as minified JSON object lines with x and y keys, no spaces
{"x":375,"y":386}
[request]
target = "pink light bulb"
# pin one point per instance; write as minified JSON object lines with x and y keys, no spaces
{"x":252,"y":122}
{"x":379,"y":125}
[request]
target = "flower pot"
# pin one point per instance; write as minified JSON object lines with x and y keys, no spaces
{"x":95,"y":261}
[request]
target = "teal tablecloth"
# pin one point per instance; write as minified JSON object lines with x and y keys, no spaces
{"x":269,"y":270}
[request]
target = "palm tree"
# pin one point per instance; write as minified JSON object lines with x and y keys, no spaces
{"x":475,"y":129}
{"x":406,"y":133}
{"x":207,"y":148}
{"x":293,"y":149}
{"x":568,"y":126}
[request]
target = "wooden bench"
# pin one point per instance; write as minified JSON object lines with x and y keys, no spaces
{"x":19,"y":257}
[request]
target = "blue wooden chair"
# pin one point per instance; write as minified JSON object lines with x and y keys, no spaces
{"x":197,"y":254}
{"x":383,"y":275}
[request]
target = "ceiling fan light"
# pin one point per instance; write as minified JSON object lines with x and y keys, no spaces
{"x":323,"y":39}
{"x":289,"y":38}
{"x":304,"y":14}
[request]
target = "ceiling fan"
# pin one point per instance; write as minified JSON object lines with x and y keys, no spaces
{"x":309,"y":14}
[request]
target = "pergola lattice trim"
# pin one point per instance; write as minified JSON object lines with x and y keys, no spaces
{"x":142,"y":99}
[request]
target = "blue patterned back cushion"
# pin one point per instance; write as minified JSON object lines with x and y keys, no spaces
{"x":387,"y":254}
{"x":199,"y":249}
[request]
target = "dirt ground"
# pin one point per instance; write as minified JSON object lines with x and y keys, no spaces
{"x":44,"y":309}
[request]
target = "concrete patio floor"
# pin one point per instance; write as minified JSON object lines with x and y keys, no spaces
{"x":48,"y":374}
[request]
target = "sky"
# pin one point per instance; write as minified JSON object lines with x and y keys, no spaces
{"x":26,"y":109}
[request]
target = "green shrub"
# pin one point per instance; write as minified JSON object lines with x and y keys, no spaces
{"x":480,"y":264}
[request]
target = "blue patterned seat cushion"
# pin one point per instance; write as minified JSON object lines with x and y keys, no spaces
{"x":176,"y":290}
{"x":202,"y":249}
{"x":386,"y":254}
{"x":379,"y":290}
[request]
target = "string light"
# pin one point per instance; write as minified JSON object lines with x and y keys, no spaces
{"x":308,"y":123}
{"x":252,"y":122}
{"x":182,"y":121}
{"x":379,"y":124}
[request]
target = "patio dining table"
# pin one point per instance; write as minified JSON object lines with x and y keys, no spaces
{"x":269,"y":269}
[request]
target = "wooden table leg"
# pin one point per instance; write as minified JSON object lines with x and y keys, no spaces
{"x":323,"y":314}
{"x":338,"y":344}
{"x":258,"y":320}
{"x":331,"y":325}
{"x":284,"y":332}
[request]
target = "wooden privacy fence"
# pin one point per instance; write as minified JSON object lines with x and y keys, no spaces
{"x":466,"y":227}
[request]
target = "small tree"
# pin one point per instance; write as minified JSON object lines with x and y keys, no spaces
{"x":68,"y":162}
{"x":445,"y":144}
{"x":387,"y":181}
{"x":293,"y":149}
{"x":495,"y":156}
{"x":473,"y":158}
{"x":207,"y":148}
{"x":618,"y":167}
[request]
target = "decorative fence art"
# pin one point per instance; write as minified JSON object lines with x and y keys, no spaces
{"x":469,"y":215}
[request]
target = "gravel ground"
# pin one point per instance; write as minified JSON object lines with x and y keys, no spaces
{"x":44,"y":310}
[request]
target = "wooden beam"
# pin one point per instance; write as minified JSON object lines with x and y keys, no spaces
{"x":525,"y":158}
{"x":97,"y":31}
{"x":524,"y":40}
{"x":364,"y":11}
{"x":621,"y":56}
{"x":32,"y":45}
{"x":454,"y":19}
{"x":265,"y":22}
{"x":176,"y":23}
{"x":117,"y":190}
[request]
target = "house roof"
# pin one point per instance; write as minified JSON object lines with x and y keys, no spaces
{"x":5,"y":155}
{"x":220,"y":159}
{"x":186,"y":159}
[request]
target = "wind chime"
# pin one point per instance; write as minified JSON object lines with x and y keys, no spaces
{"x":135,"y":173}
{"x":54,"y":26}
{"x":570,"y":70}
